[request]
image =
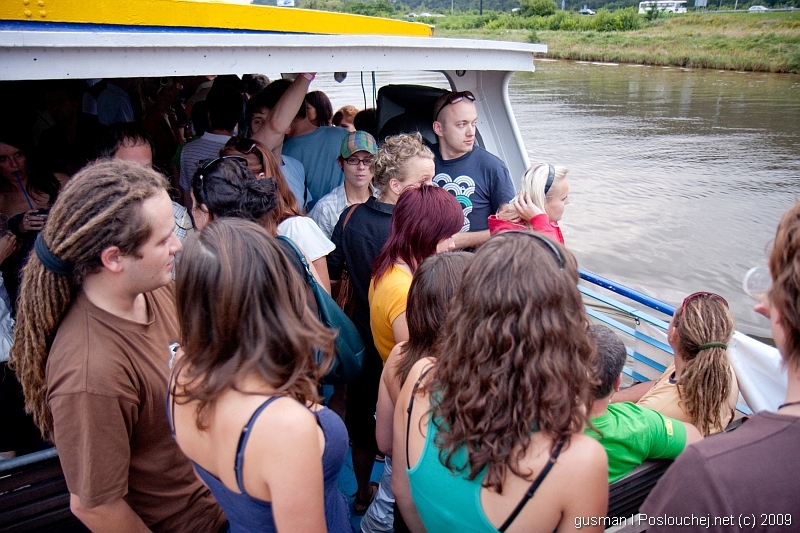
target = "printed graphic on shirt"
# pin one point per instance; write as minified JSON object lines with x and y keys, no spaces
{"x":463,"y":187}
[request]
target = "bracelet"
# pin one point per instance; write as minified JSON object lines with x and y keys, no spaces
{"x":309,"y":77}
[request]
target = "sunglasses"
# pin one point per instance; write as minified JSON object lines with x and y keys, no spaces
{"x":454,"y":98}
{"x":697,"y":295}
{"x":241,"y":144}
{"x":562,"y":262}
{"x":209,"y":165}
{"x":246,"y":146}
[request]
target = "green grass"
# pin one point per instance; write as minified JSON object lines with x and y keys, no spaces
{"x":764,"y":42}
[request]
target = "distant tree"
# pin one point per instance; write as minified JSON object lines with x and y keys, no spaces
{"x":538,"y":8}
{"x":378,"y":8}
{"x":321,"y":5}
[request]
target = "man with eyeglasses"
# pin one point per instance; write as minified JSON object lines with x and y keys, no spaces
{"x":355,"y":157}
{"x":479,"y":180}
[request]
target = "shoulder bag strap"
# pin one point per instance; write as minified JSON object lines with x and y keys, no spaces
{"x":301,"y":256}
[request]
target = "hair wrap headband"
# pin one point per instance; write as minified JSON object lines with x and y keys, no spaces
{"x":712,"y":345}
{"x":551,"y":174}
{"x":49,"y":260}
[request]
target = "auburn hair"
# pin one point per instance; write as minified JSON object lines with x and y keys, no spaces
{"x":514,"y":357}
{"x":423,"y":217}
{"x":287,"y":204}
{"x":242,"y":310}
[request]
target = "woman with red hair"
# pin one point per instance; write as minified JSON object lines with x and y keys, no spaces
{"x":423,"y":223}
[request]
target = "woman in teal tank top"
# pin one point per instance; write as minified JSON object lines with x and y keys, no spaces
{"x":489,"y":437}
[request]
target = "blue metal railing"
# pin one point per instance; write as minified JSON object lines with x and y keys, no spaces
{"x":627,"y":292}
{"x":635,"y":315}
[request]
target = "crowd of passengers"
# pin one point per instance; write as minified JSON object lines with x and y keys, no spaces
{"x":162,"y":332}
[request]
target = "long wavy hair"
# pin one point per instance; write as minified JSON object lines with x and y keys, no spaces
{"x":784,"y":293}
{"x":429,"y":299}
{"x":243,"y":311}
{"x":514,"y":357}
{"x":422,"y":218}
{"x":101,"y":206}
{"x":705,"y":382}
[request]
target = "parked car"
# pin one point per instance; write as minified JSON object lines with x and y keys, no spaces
{"x":757,"y":9}
{"x":586,"y":11}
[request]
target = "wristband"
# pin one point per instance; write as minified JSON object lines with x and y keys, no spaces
{"x":309,"y":77}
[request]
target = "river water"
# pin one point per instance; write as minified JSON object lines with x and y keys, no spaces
{"x":678,"y":177}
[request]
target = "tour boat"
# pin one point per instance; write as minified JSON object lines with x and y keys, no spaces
{"x":72,"y":39}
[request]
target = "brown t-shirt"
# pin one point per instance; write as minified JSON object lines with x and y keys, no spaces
{"x":107,"y":387}
{"x":743,"y":481}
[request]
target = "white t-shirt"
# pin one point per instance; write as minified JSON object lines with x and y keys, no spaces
{"x":305,"y":233}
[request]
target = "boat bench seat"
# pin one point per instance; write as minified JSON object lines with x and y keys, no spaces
{"x":34,"y":495}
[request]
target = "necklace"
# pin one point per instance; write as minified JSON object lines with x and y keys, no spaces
{"x":787,"y":404}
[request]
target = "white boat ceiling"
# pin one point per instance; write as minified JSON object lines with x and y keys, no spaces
{"x":88,"y":53}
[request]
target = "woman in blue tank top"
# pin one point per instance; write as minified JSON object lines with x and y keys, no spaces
{"x":243,"y":402}
{"x":489,"y":436}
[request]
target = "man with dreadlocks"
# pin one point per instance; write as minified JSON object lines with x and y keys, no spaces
{"x":750,"y":475}
{"x":92,"y":349}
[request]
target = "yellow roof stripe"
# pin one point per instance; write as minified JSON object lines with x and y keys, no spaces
{"x":203,"y":14}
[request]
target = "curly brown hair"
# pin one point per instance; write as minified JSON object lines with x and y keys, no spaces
{"x":514,"y":356}
{"x":101,"y":206}
{"x":243,"y":311}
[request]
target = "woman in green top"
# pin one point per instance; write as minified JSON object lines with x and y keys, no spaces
{"x":494,"y":439}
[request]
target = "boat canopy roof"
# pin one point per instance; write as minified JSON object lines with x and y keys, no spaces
{"x":86,"y":53}
{"x":76,"y":39}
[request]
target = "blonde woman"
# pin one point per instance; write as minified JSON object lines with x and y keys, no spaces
{"x":539,"y":205}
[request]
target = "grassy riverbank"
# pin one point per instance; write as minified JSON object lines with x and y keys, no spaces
{"x":764,"y":42}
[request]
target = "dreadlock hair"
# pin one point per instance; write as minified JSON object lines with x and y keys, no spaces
{"x":784,"y":293}
{"x":432,"y":290}
{"x":101,"y":206}
{"x":514,"y":357}
{"x":705,"y":382}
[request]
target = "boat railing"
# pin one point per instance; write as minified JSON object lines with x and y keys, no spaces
{"x":643,"y":331}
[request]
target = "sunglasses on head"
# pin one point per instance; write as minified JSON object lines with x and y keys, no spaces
{"x":209,"y":165}
{"x":697,"y":295}
{"x":454,"y":98}
{"x":242,"y":144}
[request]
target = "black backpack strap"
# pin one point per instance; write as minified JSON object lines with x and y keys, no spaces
{"x":411,"y":407}
{"x":535,"y":485}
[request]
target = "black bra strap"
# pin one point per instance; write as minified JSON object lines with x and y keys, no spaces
{"x":411,"y":406}
{"x":535,"y":485}
{"x":173,"y":381}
